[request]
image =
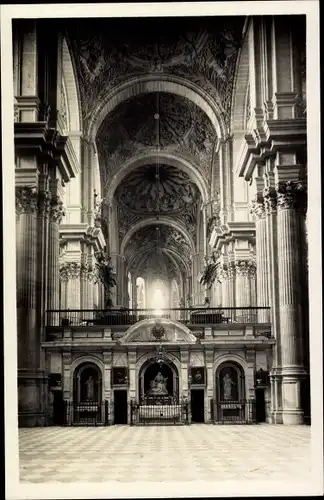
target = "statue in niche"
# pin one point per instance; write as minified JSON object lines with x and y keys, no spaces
{"x":90,"y":389}
{"x":158,"y":385}
{"x":227,"y":386}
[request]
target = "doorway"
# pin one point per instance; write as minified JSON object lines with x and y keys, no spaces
{"x":260,"y":405}
{"x":120,"y":407}
{"x":198,"y":406}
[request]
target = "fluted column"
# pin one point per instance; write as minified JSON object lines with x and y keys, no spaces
{"x":245,"y":289}
{"x":28,"y":347}
{"x":290,"y":195}
{"x":227,"y":276}
{"x":258,"y":211}
{"x":198,"y":292}
{"x":270,"y":203}
{"x":57,"y":212}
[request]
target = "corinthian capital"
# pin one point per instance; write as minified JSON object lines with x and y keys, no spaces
{"x":44,"y":201}
{"x":292,"y":195}
{"x":27,"y":199}
{"x":270,"y":200}
{"x":257,"y":207}
{"x":70,"y":270}
{"x":57,"y":211}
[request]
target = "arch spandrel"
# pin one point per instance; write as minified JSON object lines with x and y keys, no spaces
{"x":174,"y":332}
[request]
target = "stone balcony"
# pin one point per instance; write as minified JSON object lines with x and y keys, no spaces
{"x":218,"y":326}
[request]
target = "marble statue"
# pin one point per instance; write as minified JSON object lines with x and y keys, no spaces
{"x":227,"y":386}
{"x":90,"y":388}
{"x":158,"y":385}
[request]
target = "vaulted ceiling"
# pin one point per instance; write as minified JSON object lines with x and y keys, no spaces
{"x":109,"y":52}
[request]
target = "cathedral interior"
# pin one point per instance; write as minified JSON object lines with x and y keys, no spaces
{"x":161,"y":220}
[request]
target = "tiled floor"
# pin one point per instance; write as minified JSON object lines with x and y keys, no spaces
{"x":195,"y":452}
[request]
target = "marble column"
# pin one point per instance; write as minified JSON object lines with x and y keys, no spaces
{"x":227,"y":275}
{"x":290,"y":195}
{"x":258,"y":211}
{"x":57,"y":212}
{"x":28,"y":336}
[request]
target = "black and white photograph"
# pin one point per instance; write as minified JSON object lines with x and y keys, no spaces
{"x":162,"y":269}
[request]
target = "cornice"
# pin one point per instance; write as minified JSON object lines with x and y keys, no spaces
{"x":84,"y":232}
{"x":276,"y":135}
{"x":36,"y":138}
{"x":230,"y":232}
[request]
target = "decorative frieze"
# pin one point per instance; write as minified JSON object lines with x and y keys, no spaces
{"x":292,"y":195}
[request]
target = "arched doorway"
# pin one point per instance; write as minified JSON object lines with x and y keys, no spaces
{"x":158,"y":383}
{"x":231,"y":406}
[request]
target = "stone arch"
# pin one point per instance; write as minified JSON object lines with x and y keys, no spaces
{"x":163,"y":220}
{"x":71,"y":87}
{"x":133,"y":330}
{"x":170,"y":159}
{"x":86,"y":360}
{"x":157,"y":83}
{"x":171,"y":254}
{"x":231,"y":358}
{"x":239,"y":100}
{"x":149,"y":363}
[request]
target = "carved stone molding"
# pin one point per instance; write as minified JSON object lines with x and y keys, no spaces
{"x":27,"y":200}
{"x":292,"y":195}
{"x":270,"y":200}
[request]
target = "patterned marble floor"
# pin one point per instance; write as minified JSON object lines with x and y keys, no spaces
{"x":195,"y":452}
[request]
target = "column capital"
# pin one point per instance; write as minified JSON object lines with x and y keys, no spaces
{"x":246,"y":268}
{"x":292,"y":195}
{"x":270,"y":200}
{"x":27,"y":199}
{"x":44,"y":201}
{"x":57,"y":211}
{"x":70,"y":270}
{"x":257,"y":207}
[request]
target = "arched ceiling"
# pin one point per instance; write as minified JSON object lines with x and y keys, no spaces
{"x":155,"y":120}
{"x":202,"y":54}
{"x":158,"y":250}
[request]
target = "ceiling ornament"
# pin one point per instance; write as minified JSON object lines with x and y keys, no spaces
{"x":204,"y":53}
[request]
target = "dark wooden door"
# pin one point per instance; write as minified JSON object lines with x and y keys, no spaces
{"x":260,"y":405}
{"x":198,"y":406}
{"x":120,"y":407}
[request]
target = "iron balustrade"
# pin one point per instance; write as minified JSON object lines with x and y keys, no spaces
{"x":87,"y":413}
{"x":158,"y":412}
{"x":234,"y":412}
{"x":128,"y":317}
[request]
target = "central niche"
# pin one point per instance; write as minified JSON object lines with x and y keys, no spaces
{"x":140,"y":191}
{"x":158,"y":381}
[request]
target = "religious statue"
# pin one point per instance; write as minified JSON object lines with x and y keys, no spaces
{"x":198,"y":378}
{"x":227,"y":386}
{"x":90,"y":388}
{"x":158,"y":385}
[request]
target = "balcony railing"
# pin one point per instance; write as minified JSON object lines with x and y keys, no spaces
{"x":127,"y":317}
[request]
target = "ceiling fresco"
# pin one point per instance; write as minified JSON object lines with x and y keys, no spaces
{"x":140,"y":196}
{"x":156,"y":121}
{"x":109,"y":51}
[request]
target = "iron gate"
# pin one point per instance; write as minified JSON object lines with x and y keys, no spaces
{"x":89,"y":413}
{"x":233,"y":412}
{"x":159,"y":414}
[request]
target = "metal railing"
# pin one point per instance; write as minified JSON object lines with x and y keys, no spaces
{"x":88,"y":413}
{"x":128,"y":317}
{"x":234,"y":412}
{"x":159,"y":413}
